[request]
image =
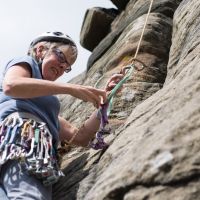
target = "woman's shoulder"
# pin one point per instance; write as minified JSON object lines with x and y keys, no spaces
{"x":23,"y":59}
{"x":29,"y":61}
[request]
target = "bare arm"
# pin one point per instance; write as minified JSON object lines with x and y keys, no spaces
{"x":18,"y":83}
{"x":83,"y":135}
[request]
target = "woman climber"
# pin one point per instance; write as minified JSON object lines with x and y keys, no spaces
{"x":31,"y":127}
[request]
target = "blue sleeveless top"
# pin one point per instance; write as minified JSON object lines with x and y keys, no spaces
{"x":46,"y":108}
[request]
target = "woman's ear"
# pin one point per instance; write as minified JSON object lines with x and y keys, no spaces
{"x":39,"y":51}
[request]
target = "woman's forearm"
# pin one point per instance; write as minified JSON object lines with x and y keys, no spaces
{"x":24,"y":87}
{"x":30,"y":87}
{"x":89,"y":128}
{"x":79,"y":136}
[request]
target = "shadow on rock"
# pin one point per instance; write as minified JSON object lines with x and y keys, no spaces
{"x":75,"y":171}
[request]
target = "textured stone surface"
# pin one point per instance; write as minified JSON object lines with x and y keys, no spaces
{"x":96,"y":26}
{"x":142,"y":84}
{"x":134,"y":10}
{"x":154,"y":154}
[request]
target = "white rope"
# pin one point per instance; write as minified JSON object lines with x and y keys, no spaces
{"x":139,"y":43}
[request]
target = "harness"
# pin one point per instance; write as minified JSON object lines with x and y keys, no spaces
{"x":26,"y":138}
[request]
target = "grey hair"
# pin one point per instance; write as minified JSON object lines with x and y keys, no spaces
{"x":51,"y":45}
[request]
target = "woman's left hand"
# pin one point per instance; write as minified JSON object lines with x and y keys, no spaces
{"x":112,"y":82}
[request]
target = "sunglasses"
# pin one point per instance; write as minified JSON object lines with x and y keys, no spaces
{"x":62,"y":59}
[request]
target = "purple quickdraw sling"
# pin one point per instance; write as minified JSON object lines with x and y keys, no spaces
{"x":98,"y":142}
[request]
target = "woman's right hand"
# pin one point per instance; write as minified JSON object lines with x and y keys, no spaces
{"x":89,"y":94}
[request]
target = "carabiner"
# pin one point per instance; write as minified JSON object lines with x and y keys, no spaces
{"x":140,"y":62}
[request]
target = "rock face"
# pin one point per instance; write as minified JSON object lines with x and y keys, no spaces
{"x":155,"y":141}
{"x":96,"y":26}
{"x":133,"y":11}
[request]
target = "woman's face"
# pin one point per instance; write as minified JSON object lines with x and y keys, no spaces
{"x":56,"y":61}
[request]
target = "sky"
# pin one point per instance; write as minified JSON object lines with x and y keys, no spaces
{"x":22,"y":20}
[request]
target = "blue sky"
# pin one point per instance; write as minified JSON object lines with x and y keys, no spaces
{"x":22,"y":20}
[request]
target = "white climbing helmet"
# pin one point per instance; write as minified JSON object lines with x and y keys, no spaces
{"x":53,"y":37}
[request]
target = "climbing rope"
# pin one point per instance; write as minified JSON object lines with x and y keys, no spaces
{"x":104,"y":111}
{"x":144,"y":27}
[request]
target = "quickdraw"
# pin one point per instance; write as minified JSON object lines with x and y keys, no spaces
{"x":98,"y":142}
{"x":30,"y":142}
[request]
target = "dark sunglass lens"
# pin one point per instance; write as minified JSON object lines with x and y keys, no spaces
{"x":60,"y":55}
